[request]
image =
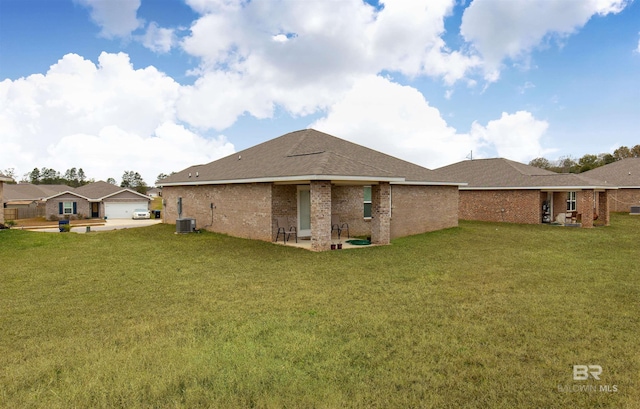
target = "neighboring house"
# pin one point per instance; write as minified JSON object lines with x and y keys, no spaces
{"x":3,"y":179}
{"x":26,"y":200}
{"x":625,"y":175}
{"x":501,"y":190}
{"x":154,"y":192}
{"x":96,"y":200}
{"x":304,"y":179}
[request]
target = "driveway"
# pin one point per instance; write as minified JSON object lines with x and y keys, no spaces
{"x":110,"y":224}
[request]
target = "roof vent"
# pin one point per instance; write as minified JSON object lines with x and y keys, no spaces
{"x":189,"y":174}
{"x":197,"y":174}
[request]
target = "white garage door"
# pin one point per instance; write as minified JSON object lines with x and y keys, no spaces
{"x":117,"y":210}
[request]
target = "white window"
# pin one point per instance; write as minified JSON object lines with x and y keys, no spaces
{"x":571,"y":201}
{"x":67,"y":207}
{"x":367,"y":202}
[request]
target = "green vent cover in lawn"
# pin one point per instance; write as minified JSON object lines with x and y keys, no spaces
{"x":359,"y":242}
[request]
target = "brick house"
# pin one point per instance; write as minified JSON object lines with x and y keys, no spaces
{"x":96,"y":200}
{"x":27,"y":200}
{"x":625,"y":175}
{"x":306,"y":178}
{"x":3,"y":179}
{"x":501,"y":190}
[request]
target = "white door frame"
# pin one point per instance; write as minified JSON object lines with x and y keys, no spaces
{"x":304,"y":232}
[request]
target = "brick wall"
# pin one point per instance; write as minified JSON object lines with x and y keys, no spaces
{"x":347,"y":202}
{"x":603,"y":208}
{"x":621,"y":200}
{"x":241,"y":210}
{"x":125,"y":197}
{"x":52,"y":209}
{"x":284,"y":203}
{"x":419,"y":209}
{"x":320,"y":215}
{"x":251,"y":210}
{"x":381,"y":213}
{"x":512,"y":206}
{"x":585,"y":207}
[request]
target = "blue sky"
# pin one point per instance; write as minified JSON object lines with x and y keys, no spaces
{"x":155,"y":86}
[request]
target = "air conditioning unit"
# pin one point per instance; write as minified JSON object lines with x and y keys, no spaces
{"x":635,"y":210}
{"x":186,"y":225}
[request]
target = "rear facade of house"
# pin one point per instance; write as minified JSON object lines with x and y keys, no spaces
{"x":501,"y":190}
{"x":307,"y":180}
{"x":625,"y":175}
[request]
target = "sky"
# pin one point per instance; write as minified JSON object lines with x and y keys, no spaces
{"x":155,"y":86}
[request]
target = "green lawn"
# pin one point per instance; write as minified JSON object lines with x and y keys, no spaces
{"x":485,"y":315}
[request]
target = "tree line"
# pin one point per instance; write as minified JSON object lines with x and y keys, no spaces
{"x":76,"y":177}
{"x":568,"y":164}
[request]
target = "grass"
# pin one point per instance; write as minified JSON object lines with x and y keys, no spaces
{"x":485,"y":315}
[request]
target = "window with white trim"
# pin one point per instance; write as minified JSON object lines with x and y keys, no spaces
{"x":571,"y":201}
{"x":67,"y":207}
{"x":367,"y":202}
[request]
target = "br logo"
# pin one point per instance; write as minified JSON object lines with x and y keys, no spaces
{"x":582,"y":372}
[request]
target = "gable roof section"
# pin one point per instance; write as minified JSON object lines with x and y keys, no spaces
{"x":31,"y":192}
{"x":99,"y":190}
{"x":306,"y":155}
{"x":499,"y":173}
{"x":622,"y":173}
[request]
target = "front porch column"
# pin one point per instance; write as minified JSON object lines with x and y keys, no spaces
{"x":320,"y":215}
{"x":381,"y":213}
{"x":586,"y":207}
{"x":603,"y":207}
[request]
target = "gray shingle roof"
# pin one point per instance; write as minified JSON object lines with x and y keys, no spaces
{"x":98,"y":190}
{"x":622,"y":173}
{"x":504,"y":173}
{"x":305,"y":154}
{"x":28,"y":191}
{"x":101,"y":190}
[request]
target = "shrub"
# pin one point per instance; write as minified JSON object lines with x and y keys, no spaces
{"x":53,"y":218}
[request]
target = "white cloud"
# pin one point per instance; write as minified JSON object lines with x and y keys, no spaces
{"x":280,"y":38}
{"x":158,"y":39}
{"x":303,"y":56}
{"x":514,"y":136}
{"x":511,"y":29}
{"x":112,"y":151}
{"x":115,"y":18}
{"x":397,"y":120}
{"x":105,"y":118}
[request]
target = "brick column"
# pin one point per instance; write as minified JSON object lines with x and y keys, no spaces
{"x":603,"y":207}
{"x":586,"y":207}
{"x":320,"y":215}
{"x":381,"y":213}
